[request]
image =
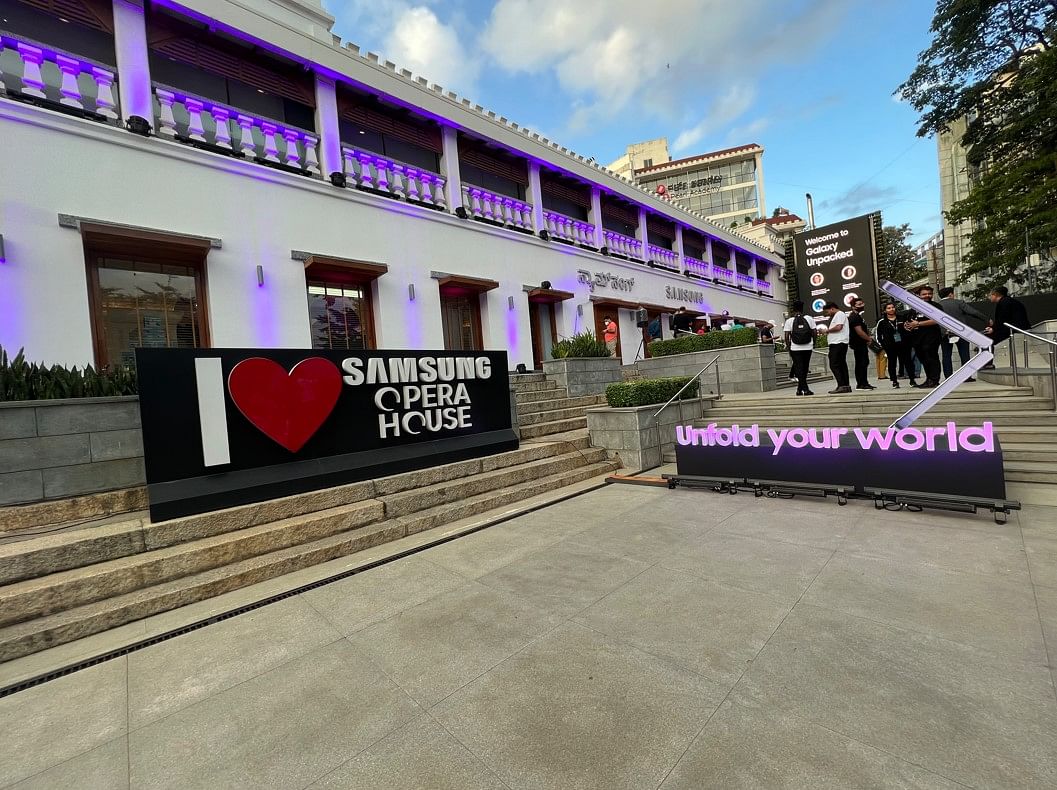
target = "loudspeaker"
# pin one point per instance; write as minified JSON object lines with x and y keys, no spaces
{"x":460,"y":212}
{"x":545,"y":285}
{"x":642,"y":318}
{"x":337,"y":178}
{"x":521,"y":368}
{"x":545,"y":235}
{"x":138,"y":125}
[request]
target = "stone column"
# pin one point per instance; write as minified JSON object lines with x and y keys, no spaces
{"x":133,"y":70}
{"x":535,"y":196}
{"x":449,"y":166}
{"x":643,"y":235}
{"x":327,"y":126}
{"x":679,"y":248}
{"x":595,"y":217}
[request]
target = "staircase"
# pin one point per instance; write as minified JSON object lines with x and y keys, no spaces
{"x":545,"y":409}
{"x":61,"y":586}
{"x":1025,"y":423}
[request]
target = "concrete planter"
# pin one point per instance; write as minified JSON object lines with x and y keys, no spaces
{"x":54,"y":449}
{"x":583,"y":375}
{"x":635,"y":436}
{"x":741,"y":368}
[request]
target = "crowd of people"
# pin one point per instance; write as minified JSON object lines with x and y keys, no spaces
{"x":913,"y":344}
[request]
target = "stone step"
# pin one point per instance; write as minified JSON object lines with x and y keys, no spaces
{"x":54,"y":591}
{"x":978,"y":392}
{"x":558,"y":426}
{"x":1025,"y":451}
{"x":32,"y":557}
{"x":1030,"y":471}
{"x":821,"y":418}
{"x":576,"y":439}
{"x":553,"y":415}
{"x":527,"y":378}
{"x":541,"y":385}
{"x":531,"y":407}
{"x":37,"y":634}
{"x":543,"y":396}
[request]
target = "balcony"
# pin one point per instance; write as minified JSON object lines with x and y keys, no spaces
{"x":662,"y":258}
{"x":495,"y":209}
{"x":30,"y":82}
{"x":568,"y":229}
{"x":745,"y":281}
{"x":622,"y":246}
{"x":374,"y":173}
{"x":763,"y":287}
{"x":722,"y":275}
{"x":204,"y":123}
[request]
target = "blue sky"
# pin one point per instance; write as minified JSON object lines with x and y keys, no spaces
{"x":810,"y":80}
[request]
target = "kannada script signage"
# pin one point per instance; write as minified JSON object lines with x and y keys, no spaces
{"x":604,"y":280}
{"x":946,"y":459}
{"x":223,"y":427}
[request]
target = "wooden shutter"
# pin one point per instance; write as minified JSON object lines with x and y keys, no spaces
{"x":377,"y":120}
{"x":98,"y":14}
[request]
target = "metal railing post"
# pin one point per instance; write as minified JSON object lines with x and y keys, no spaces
{"x":1013,"y":359}
{"x":719,"y":386}
{"x":1053,"y":375}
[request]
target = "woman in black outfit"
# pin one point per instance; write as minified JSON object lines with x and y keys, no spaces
{"x":894,"y":340}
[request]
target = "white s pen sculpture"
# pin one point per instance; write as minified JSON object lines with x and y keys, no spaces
{"x":953,"y":326}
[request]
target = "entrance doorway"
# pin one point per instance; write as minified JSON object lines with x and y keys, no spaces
{"x":544,"y":331}
{"x":603,"y":309}
{"x":460,"y":313}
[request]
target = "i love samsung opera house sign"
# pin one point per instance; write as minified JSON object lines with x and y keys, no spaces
{"x":947,"y":459}
{"x":223,"y":427}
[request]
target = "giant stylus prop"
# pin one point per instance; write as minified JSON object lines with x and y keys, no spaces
{"x":955,"y":327}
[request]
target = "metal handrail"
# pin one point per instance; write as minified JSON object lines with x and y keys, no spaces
{"x":1013,"y":358}
{"x":671,"y":400}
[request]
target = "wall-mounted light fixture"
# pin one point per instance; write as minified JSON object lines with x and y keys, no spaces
{"x":411,"y":292}
{"x":260,"y":275}
{"x":510,"y":302}
{"x":579,"y":309}
{"x":3,"y":257}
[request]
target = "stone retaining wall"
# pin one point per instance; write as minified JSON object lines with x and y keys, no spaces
{"x":65,"y":448}
{"x":635,"y":436}
{"x":583,"y":375}
{"x":741,"y":369}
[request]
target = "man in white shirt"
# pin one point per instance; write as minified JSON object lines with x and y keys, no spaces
{"x":838,"y":336}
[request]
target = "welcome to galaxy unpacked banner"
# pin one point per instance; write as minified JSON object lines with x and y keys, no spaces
{"x":952,"y":459}
{"x":223,"y":427}
{"x":837,"y":263}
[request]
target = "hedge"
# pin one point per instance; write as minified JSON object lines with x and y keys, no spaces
{"x":648,"y":391}
{"x":21,"y":380}
{"x":584,"y":344}
{"x":687,"y":344}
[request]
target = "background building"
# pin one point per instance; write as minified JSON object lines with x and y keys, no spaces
{"x":726,"y":186}
{"x":639,"y":155}
{"x":929,"y":257}
{"x":774,"y":231}
{"x":955,"y":182}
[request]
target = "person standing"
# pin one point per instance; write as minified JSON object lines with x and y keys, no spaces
{"x":682,"y":322}
{"x":960,"y":311}
{"x":838,"y":334}
{"x":859,"y":341}
{"x":896,"y":343}
{"x":609,"y":334}
{"x":926,"y":336}
{"x":1007,"y":311}
{"x":799,"y":332}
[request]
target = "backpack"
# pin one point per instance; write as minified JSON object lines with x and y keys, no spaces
{"x":801,"y":332}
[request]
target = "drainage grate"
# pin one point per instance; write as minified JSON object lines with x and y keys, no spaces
{"x":86,"y":663}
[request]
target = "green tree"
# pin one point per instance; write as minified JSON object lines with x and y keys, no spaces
{"x":896,"y":259}
{"x":992,"y":63}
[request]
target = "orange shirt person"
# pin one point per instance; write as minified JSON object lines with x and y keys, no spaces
{"x":609,"y":334}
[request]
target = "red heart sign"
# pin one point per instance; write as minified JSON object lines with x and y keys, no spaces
{"x":286,"y":408}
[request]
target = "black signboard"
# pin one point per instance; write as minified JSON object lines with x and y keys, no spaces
{"x":224,"y":427}
{"x":838,"y":263}
{"x":950,"y":459}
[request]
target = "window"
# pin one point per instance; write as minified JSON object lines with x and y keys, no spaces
{"x":144,"y":295}
{"x":339,"y":315}
{"x":647,"y":163}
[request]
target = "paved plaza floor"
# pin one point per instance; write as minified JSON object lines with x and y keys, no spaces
{"x":630,"y":637}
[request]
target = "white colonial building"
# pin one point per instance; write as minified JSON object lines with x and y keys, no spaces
{"x":212,"y":172}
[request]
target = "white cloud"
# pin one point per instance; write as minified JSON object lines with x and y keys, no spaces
{"x":412,"y":37}
{"x":724,"y":110}
{"x":608,"y":55}
{"x":422,"y":43}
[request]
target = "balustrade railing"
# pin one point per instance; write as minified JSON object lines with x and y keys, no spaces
{"x":567,"y":228}
{"x":77,"y":83}
{"x":211,"y":124}
{"x":663,"y":257}
{"x":383,"y":174}
{"x":746,"y":280}
{"x":622,"y":245}
{"x":500,"y":209}
{"x":698,"y":267}
{"x":722,"y":274}
{"x":763,"y":286}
